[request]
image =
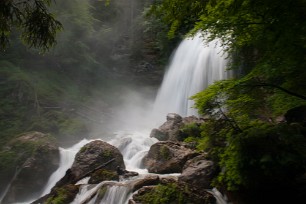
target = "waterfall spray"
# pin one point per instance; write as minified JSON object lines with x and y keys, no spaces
{"x":193,"y":67}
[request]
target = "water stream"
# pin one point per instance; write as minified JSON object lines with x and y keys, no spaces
{"x":193,"y":67}
{"x":66,"y":159}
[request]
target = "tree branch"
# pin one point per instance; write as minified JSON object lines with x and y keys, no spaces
{"x":279,"y":88}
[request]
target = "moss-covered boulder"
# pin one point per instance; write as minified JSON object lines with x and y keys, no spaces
{"x":173,"y":128}
{"x":171,"y":192}
{"x":198,"y":172}
{"x":168,"y":157}
{"x":94,"y":154}
{"x":92,"y":157}
{"x":103,"y":175}
{"x":26,"y":163}
{"x":63,"y":195}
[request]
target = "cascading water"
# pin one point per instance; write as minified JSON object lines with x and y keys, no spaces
{"x":193,"y":67}
{"x":66,"y":160}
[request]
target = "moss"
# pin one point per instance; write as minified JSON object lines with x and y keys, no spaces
{"x":83,"y":149}
{"x":164,"y":194}
{"x":107,"y":153}
{"x":101,"y":192}
{"x":191,"y":130}
{"x":165,"y":153}
{"x":103,"y":175}
{"x":63,"y":195}
{"x":18,"y":150}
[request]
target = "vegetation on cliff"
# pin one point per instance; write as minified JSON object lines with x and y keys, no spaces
{"x":101,"y":46}
{"x":257,"y":155}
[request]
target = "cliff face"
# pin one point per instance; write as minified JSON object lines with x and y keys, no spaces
{"x":36,"y":156}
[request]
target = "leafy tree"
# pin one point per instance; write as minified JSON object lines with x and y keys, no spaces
{"x":266,"y":43}
{"x":31,"y":18}
{"x":267,"y":35}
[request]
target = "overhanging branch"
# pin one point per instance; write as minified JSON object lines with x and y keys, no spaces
{"x":279,"y":88}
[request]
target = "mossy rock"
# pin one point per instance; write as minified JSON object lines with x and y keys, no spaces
{"x":103,"y":175}
{"x":171,"y":193}
{"x":63,"y":195}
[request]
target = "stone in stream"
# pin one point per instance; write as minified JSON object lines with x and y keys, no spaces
{"x":168,"y":157}
{"x":91,"y":159}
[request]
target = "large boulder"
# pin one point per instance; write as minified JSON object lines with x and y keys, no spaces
{"x":168,"y":157}
{"x":37,"y":157}
{"x":171,"y":191}
{"x":93,"y":157}
{"x":171,"y":129}
{"x":97,"y":159}
{"x":198,"y":172}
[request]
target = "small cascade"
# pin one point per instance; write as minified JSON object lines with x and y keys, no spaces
{"x":134,"y":146}
{"x":221,"y":199}
{"x":193,"y":67}
{"x":87,"y":193}
{"x":66,"y":160}
{"x":116,"y":194}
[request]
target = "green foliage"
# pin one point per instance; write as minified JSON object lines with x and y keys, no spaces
{"x":264,"y":154}
{"x":265,"y":37}
{"x":32,"y":19}
{"x":164,"y":194}
{"x":103,"y":175}
{"x":239,"y":136}
{"x":17,"y":152}
{"x":191,"y":130}
{"x":165,"y":153}
{"x":178,"y":15}
{"x":63,"y":195}
{"x":27,"y":97}
{"x":156,"y":32}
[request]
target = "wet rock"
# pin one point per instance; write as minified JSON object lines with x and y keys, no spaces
{"x":38,"y":157}
{"x":124,"y":142}
{"x":125,"y":173}
{"x":94,"y":154}
{"x":64,"y":194}
{"x":172,"y":193}
{"x":103,"y":175}
{"x":171,"y":129}
{"x":168,"y":157}
{"x":159,"y":134}
{"x":138,"y":197}
{"x":97,"y":158}
{"x":92,"y":157}
{"x":146,"y":181}
{"x":198,"y":172}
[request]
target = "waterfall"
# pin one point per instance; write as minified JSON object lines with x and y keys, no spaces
{"x":133,"y":145}
{"x":193,"y":67}
{"x":111,"y":195}
{"x":66,"y":160}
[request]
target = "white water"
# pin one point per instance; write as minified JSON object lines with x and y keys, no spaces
{"x":193,"y":67}
{"x":66,"y":160}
